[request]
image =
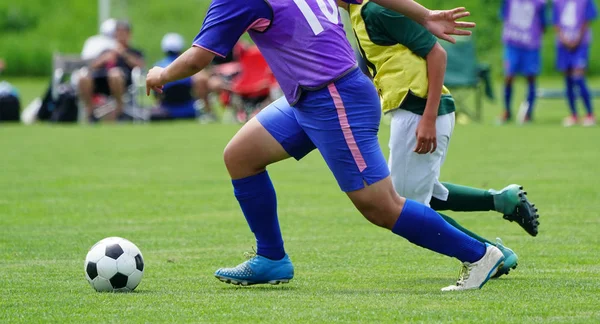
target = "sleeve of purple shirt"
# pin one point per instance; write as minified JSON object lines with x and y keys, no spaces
{"x":226,"y":21}
{"x":591,"y":11}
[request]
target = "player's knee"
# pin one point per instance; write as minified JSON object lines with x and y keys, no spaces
{"x":578,"y":72}
{"x":116,"y":75}
{"x":238,"y":164}
{"x":230,"y":158}
{"x":85,"y":82}
{"x":382,"y":210}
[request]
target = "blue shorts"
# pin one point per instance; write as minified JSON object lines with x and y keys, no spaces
{"x":341,"y":121}
{"x":521,"y":61}
{"x":567,"y":59}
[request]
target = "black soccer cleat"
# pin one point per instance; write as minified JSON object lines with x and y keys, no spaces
{"x":525,"y":214}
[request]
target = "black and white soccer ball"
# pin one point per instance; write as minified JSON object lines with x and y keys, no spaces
{"x":114,"y":264}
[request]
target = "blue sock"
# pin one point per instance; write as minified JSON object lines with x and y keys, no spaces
{"x":424,"y":227}
{"x":257,"y":199}
{"x":531,"y":98}
{"x":507,"y":99}
{"x":585,"y":93}
{"x":571,"y":95}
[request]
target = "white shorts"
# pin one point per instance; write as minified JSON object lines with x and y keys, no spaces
{"x":416,"y":176}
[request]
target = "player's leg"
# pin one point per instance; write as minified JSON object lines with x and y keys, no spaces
{"x":510,"y":257}
{"x":117,"y":85}
{"x":416,"y":176}
{"x":343,"y":121}
{"x":86,"y":92}
{"x":425,"y":169}
{"x":563,"y":64}
{"x":512,"y":202}
{"x":272,"y":136}
{"x":531,"y":87}
{"x":201,"y":91}
{"x":413,"y":174}
{"x":510,"y":65}
{"x":579,"y":67}
{"x":530,"y":68}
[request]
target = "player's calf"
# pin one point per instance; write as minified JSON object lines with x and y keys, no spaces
{"x":378,"y":203}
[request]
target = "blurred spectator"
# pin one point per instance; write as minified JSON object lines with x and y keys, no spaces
{"x":222,"y":69}
{"x":178,"y":98}
{"x":110,"y":72}
{"x":571,"y":20}
{"x":524,"y":24}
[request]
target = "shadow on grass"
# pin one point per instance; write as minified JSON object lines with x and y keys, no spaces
{"x":423,"y":286}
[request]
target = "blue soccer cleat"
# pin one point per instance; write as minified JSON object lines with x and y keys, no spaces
{"x":510,"y":259}
{"x":258,"y":270}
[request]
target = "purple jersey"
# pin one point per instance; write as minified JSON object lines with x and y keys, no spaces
{"x":523,"y":23}
{"x":303,"y":41}
{"x":571,"y":15}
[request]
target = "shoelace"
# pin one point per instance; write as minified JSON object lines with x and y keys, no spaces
{"x":250,"y":255}
{"x":499,"y":242}
{"x":464,"y":274}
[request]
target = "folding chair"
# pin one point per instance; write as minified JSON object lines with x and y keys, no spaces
{"x":465,"y":77}
{"x":65,"y":68}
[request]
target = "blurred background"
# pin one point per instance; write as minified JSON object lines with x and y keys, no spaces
{"x":31,"y":32}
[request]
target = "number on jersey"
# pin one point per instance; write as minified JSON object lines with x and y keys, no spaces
{"x":568,"y":18}
{"x":522,"y":14}
{"x":330,"y":14}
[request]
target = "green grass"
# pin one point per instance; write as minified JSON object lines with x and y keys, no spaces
{"x":165,"y":188}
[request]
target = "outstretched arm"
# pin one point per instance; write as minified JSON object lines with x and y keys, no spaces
{"x":441,"y":23}
{"x":223,"y":25}
{"x":187,"y":64}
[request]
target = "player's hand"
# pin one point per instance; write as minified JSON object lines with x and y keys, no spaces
{"x":109,"y":56}
{"x":426,"y":137}
{"x":443,"y":23}
{"x":153,"y":80}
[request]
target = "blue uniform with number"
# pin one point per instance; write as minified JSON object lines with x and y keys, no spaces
{"x":329,"y":104}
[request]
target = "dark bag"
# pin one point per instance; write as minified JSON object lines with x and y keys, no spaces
{"x":10,"y":106}
{"x":62,"y":110}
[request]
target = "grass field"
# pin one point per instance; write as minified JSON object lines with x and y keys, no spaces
{"x":165,"y":188}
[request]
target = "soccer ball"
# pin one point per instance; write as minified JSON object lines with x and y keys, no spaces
{"x":114,"y":264}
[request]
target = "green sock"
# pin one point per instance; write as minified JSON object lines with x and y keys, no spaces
{"x":466,"y":231}
{"x":462,"y":198}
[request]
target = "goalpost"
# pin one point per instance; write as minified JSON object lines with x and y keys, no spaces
{"x":103,"y":11}
{"x":112,"y":9}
